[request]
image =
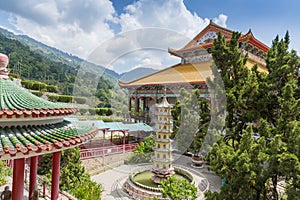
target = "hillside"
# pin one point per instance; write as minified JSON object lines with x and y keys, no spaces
{"x":31,"y":65}
{"x":136,"y":73}
{"x":56,"y":54}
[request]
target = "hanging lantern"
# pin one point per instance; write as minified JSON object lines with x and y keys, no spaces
{"x":149,"y":98}
{"x":142,"y":98}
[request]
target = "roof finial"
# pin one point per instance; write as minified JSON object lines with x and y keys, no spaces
{"x":3,"y":64}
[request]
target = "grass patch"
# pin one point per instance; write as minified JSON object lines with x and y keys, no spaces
{"x":145,"y":178}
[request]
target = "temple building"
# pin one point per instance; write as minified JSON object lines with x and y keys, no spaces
{"x":191,"y":73}
{"x":30,"y":127}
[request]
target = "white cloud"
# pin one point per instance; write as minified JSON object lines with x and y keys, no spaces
{"x":76,"y":27}
{"x":171,"y":14}
{"x":172,"y":26}
{"x":83,"y":28}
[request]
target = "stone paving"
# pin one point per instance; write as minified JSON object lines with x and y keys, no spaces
{"x":113,"y":179}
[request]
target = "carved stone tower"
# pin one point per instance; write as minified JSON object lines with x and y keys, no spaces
{"x":162,"y":158}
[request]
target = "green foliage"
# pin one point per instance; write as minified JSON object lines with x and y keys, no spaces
{"x":261,"y":146}
{"x":178,"y":189}
{"x":88,"y":190}
{"x":73,"y":177}
{"x":143,"y":151}
{"x":54,"y":76}
{"x":36,"y":85}
{"x":83,"y":110}
{"x":5,"y":171}
{"x":60,"y":98}
{"x":11,"y":76}
{"x":51,"y":88}
{"x":191,"y":116}
{"x":80,"y":100}
{"x":39,"y":94}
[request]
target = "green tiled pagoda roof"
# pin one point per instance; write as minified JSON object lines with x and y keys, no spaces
{"x":28,"y":140}
{"x":120,"y":126}
{"x":15,"y":100}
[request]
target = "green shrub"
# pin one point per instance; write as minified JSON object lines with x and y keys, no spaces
{"x":51,"y":88}
{"x":52,"y":97}
{"x":39,"y":94}
{"x":80,"y":100}
{"x":11,"y":76}
{"x":107,"y":120}
{"x":83,"y":110}
{"x":4,"y":172}
{"x":65,"y":98}
{"x":92,"y":111}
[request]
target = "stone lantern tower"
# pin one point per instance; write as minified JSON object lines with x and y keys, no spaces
{"x":162,"y":158}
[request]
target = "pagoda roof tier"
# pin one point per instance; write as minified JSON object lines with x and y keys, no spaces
{"x":26,"y":141}
{"x":178,"y":74}
{"x":17,"y":102}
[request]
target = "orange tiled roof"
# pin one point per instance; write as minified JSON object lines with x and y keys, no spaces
{"x":177,"y":74}
{"x":181,"y":74}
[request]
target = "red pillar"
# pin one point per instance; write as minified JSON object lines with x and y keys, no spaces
{"x":124,"y":137}
{"x":55,"y":175}
{"x":18,"y":179}
{"x":103,"y":142}
{"x":33,"y":176}
{"x":137,"y":105}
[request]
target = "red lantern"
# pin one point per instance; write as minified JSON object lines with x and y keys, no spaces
{"x":149,"y":98}
{"x":142,"y":98}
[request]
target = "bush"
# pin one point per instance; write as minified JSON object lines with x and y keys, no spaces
{"x":80,"y":100}
{"x":4,"y":172}
{"x":65,"y":98}
{"x":60,"y":98}
{"x":52,"y":97}
{"x":83,"y":110}
{"x":11,"y":76}
{"x":36,"y":85}
{"x":51,"y":88}
{"x":104,"y":111}
{"x":92,"y":111}
{"x":39,"y":94}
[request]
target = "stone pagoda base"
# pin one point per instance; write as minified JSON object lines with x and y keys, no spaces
{"x":160,"y":175}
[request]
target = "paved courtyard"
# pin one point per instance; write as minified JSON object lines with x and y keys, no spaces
{"x":113,"y":179}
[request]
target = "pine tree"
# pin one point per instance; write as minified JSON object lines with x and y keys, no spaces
{"x":261,"y":146}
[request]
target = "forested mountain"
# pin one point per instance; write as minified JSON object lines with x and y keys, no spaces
{"x":53,"y":53}
{"x":57,"y":70}
{"x":136,"y":73}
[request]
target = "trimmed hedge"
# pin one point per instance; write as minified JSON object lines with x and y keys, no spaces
{"x":36,"y":85}
{"x":80,"y":100}
{"x":39,"y":94}
{"x":101,"y":111}
{"x":60,"y":98}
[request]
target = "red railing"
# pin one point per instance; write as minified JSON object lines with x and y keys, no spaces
{"x":104,"y":151}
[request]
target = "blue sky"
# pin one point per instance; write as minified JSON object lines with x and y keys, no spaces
{"x":99,"y":31}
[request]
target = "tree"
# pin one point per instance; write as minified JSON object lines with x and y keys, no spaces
{"x":261,"y":145}
{"x":143,"y":151}
{"x":73,"y":177}
{"x":191,"y":117}
{"x":178,"y":189}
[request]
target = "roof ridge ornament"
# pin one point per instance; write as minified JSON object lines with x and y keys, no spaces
{"x":3,"y":66}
